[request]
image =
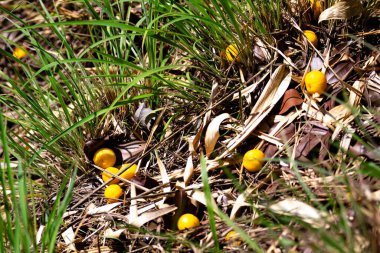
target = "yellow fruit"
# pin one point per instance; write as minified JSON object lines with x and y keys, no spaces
{"x":315,"y":82}
{"x":108,"y":173}
{"x":311,"y":36}
{"x":233,"y":237}
{"x":232,"y":53}
{"x":130,"y":172}
{"x":187,"y":220}
{"x":105,"y":158}
{"x":252,"y":160}
{"x":316,"y":8}
{"x":19,"y":52}
{"x":113,"y":192}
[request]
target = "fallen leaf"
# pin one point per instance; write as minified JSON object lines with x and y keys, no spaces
{"x":102,"y":209}
{"x":291,"y":99}
{"x":342,"y":10}
{"x":149,"y":216}
{"x":109,"y":233}
{"x":342,"y":70}
{"x":297,"y":208}
{"x":212,"y":132}
{"x":68,"y":236}
{"x":189,"y":170}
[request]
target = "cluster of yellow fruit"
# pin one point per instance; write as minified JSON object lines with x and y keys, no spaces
{"x":106,"y":159}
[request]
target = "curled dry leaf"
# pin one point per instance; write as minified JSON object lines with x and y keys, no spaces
{"x":297,"y":208}
{"x":144,"y":115}
{"x":189,"y":170}
{"x":212,"y":133}
{"x":342,"y":10}
{"x":291,"y":99}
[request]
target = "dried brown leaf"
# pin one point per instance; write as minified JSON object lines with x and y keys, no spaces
{"x":291,"y":99}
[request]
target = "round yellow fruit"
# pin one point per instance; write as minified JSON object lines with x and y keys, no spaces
{"x":104,"y":158}
{"x":108,"y":173}
{"x":130,"y":172}
{"x":187,"y":220}
{"x":253,"y":160}
{"x":232,"y":53}
{"x":315,"y":82}
{"x":113,"y":193}
{"x":19,"y":52}
{"x":311,"y":36}
{"x":233,"y":237}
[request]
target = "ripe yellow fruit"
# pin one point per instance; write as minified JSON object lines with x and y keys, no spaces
{"x":233,"y":237}
{"x":253,"y":160}
{"x":112,"y":193}
{"x":19,"y":52}
{"x":130,"y":172}
{"x":104,"y":158}
{"x":315,"y":82}
{"x":108,"y":173}
{"x":311,"y":36}
{"x":187,"y":220}
{"x":232,"y":53}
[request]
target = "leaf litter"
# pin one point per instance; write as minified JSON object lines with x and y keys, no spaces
{"x":303,"y":138}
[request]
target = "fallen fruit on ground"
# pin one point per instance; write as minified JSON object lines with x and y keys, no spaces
{"x":187,"y":220}
{"x":130,"y":172}
{"x":253,"y":160}
{"x":108,"y":173}
{"x":232,"y":53}
{"x":311,"y":36}
{"x":315,"y":82}
{"x":113,"y":192}
{"x":232,"y":238}
{"x":104,"y":158}
{"x":19,"y":52}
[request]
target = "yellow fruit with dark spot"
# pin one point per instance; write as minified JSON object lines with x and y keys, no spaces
{"x":253,"y":160}
{"x":233,"y":238}
{"x":130,"y":172}
{"x":315,"y":82}
{"x":104,"y":158}
{"x":311,"y":36}
{"x":187,"y":220}
{"x":232,"y":53}
{"x":108,"y":173}
{"x":19,"y":52}
{"x":113,"y":193}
